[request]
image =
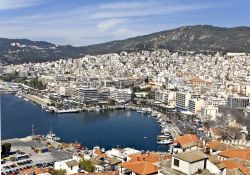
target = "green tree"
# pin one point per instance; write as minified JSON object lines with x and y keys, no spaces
{"x":86,"y":165}
{"x":35,"y":83}
{"x":112,"y":102}
{"x":6,"y":147}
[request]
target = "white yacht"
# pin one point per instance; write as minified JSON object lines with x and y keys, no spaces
{"x":52,"y":136}
{"x":164,"y":142}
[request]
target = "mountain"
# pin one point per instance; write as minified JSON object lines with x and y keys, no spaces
{"x":187,"y":38}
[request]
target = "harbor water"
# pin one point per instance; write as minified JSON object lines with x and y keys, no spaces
{"x":117,"y":128}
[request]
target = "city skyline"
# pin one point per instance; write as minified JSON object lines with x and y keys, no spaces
{"x":85,"y":23}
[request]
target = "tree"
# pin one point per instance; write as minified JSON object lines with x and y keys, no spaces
{"x":112,"y":102}
{"x":35,"y":83}
{"x":6,"y":147}
{"x":86,"y":165}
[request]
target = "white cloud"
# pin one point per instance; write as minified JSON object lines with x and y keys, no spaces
{"x":15,"y":4}
{"x":147,"y":8}
{"x":125,"y":32}
{"x":107,"y":24}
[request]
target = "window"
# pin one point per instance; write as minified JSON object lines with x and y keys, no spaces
{"x":176,"y":162}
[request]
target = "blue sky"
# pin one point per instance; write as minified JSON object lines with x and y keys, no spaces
{"x":85,"y":22}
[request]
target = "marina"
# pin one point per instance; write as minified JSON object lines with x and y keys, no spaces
{"x":88,"y":128}
{"x":162,"y":119}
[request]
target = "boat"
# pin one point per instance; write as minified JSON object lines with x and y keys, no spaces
{"x":168,"y":134}
{"x":52,"y":136}
{"x":140,"y":111}
{"x":162,"y":125}
{"x":154,"y":114}
{"x":164,"y":142}
{"x":120,"y":107}
{"x":144,"y":111}
{"x":162,"y":137}
{"x":97,"y":109}
{"x":149,"y":110}
{"x":159,"y":121}
{"x":60,"y":111}
{"x":19,"y":96}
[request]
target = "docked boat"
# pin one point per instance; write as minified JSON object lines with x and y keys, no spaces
{"x":52,"y":136}
{"x":162,"y":137}
{"x":149,"y":110}
{"x":25,"y":99}
{"x":140,"y":111}
{"x":159,"y":121}
{"x":164,"y":142}
{"x":154,"y":114}
{"x":60,"y":111}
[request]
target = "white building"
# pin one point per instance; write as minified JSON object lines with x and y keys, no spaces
{"x":71,"y":166}
{"x":182,"y":100}
{"x":121,"y":95}
{"x":87,"y":94}
{"x":247,"y":90}
{"x":215,"y":166}
{"x":189,"y":162}
{"x":209,"y":110}
{"x":66,"y":91}
{"x":164,"y":96}
{"x":195,"y":105}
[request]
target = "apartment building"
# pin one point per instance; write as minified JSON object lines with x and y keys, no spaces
{"x":164,"y":96}
{"x":195,"y":105}
{"x":182,"y":100}
{"x":238,"y":102}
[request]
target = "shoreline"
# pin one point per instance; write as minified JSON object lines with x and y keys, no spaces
{"x":158,"y":115}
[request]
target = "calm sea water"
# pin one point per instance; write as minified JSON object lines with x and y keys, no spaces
{"x":106,"y":129}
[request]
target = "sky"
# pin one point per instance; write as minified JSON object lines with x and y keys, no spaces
{"x":86,"y":22}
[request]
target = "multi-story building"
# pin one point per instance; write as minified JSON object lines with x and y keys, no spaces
{"x":66,"y":91}
{"x":164,"y":96}
{"x":216,"y":101}
{"x":195,"y":105}
{"x":87,"y":94}
{"x":121,"y":95}
{"x":238,"y":102}
{"x":209,"y":110}
{"x":103,"y":95}
{"x":182,"y":100}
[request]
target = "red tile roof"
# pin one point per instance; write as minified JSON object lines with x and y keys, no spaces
{"x":99,"y":153}
{"x":149,"y":157}
{"x":187,"y":140}
{"x":140,"y":167}
{"x":243,"y":154}
{"x":230,"y":164}
{"x":218,"y":146}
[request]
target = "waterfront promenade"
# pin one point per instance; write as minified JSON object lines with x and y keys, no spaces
{"x":37,"y":99}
